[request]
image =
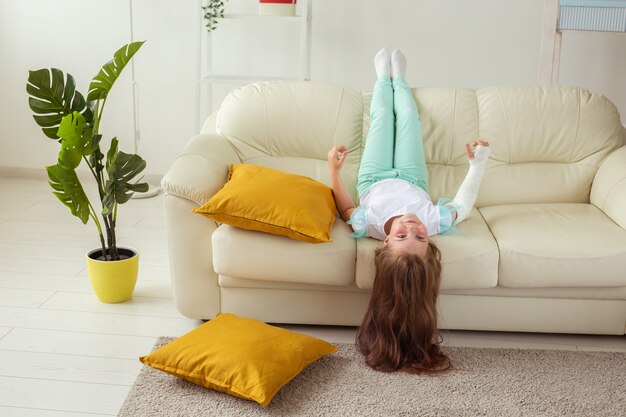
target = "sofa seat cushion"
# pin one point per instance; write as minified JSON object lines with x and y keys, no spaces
{"x":262,"y":256}
{"x":557,"y":245}
{"x":469,"y":257}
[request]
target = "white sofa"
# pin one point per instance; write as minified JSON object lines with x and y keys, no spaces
{"x":543,"y":251}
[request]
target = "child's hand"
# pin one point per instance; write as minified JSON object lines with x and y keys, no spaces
{"x":481,"y":153}
{"x":336,"y":157}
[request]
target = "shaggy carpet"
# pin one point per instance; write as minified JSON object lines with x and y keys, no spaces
{"x":486,"y":382}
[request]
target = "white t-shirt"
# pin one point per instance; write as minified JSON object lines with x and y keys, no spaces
{"x":394,"y":197}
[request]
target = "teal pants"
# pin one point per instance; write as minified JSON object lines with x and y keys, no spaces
{"x":393,"y":110}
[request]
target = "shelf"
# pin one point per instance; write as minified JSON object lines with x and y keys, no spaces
{"x":206,"y":77}
{"x":245,"y":78}
{"x":261,"y":17}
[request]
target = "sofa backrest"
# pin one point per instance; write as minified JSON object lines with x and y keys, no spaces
{"x":291,"y":126}
{"x":548,"y":142}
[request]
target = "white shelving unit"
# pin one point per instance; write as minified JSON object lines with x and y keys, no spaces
{"x":578,"y":15}
{"x":205,"y":72}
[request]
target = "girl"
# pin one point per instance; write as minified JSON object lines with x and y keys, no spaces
{"x":399,"y":330}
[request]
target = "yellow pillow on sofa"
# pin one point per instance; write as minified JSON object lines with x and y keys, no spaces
{"x":267,"y":200}
{"x":242,"y":357}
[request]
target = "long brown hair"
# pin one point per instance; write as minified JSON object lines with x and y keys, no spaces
{"x":399,"y":330}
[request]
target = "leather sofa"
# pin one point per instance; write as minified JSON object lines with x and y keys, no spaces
{"x":544,"y":250}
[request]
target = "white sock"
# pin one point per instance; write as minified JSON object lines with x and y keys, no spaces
{"x":468,"y":191}
{"x":381,"y":63}
{"x":398,"y":64}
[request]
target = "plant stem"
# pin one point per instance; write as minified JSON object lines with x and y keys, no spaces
{"x":96,"y":176}
{"x":100,"y":180}
{"x":113,"y":224}
{"x":92,"y":214}
{"x":104,"y":249}
{"x":105,"y":219}
{"x":99,"y":116}
{"x":114,"y":238}
{"x":96,"y":131}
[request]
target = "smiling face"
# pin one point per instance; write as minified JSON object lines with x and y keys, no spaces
{"x":407,"y":234}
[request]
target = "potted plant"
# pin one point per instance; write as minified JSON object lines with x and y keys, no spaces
{"x":67,"y":117}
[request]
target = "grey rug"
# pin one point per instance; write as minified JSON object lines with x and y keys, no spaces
{"x":487,"y":382}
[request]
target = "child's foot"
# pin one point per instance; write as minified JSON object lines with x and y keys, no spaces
{"x":398,"y":64}
{"x":382,"y":64}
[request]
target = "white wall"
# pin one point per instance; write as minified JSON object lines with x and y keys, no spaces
{"x":165,"y":71}
{"x":76,"y":36}
{"x":459,"y":43}
{"x":447,"y":43}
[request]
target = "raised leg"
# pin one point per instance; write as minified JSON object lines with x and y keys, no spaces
{"x":409,"y":158}
{"x":377,"y":160}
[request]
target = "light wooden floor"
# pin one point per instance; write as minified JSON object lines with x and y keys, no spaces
{"x":64,"y":353}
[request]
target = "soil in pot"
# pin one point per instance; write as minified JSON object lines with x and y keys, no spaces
{"x":123,"y":252}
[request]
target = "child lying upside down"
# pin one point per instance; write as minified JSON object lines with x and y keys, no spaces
{"x":399,"y":330}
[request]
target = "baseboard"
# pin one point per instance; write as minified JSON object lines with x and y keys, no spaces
{"x":28,"y":173}
{"x":41,"y":174}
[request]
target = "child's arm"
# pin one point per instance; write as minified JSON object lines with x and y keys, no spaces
{"x":468,"y":191}
{"x":343,"y":201}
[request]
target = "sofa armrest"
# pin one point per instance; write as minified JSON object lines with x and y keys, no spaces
{"x":202,"y":169}
{"x":194,"y":177}
{"x":608,"y":191}
{"x":189,"y":240}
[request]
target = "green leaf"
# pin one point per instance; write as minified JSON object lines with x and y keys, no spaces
{"x":122,"y":169}
{"x":53,"y":97}
{"x":76,"y":140}
{"x":112,"y":154}
{"x":69,"y":158}
{"x":69,"y":191}
{"x":104,"y":80}
{"x":76,"y":134}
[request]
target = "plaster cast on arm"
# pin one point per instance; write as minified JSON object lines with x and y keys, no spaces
{"x":468,"y":191}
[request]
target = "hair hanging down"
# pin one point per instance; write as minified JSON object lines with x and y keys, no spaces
{"x":399,"y":330}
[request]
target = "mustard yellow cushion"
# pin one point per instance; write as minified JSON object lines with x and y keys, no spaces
{"x":267,"y":200}
{"x":242,"y":357}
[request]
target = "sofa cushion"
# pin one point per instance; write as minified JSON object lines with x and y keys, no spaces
{"x":256,"y":255}
{"x":291,"y":119}
{"x":272,"y":201}
{"x":240,"y":356}
{"x":557,"y":245}
{"x":271,"y":122}
{"x":469,"y":257}
{"x":548,"y":142}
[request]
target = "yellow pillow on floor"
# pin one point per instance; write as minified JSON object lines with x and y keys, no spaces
{"x":267,"y":200}
{"x":242,"y":357}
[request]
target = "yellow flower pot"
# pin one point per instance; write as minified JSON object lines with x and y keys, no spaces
{"x":113,"y":281}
